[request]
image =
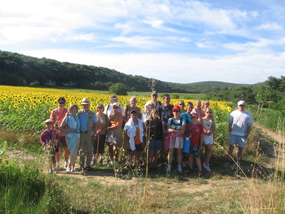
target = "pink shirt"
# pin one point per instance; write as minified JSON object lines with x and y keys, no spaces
{"x":57,"y":117}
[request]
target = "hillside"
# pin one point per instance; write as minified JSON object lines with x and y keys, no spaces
{"x":19,"y":70}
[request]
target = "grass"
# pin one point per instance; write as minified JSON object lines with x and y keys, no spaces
{"x":260,"y":189}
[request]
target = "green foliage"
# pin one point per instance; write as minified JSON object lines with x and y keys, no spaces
{"x":118,"y":89}
{"x":19,"y":70}
{"x":32,"y":84}
{"x":174,"y":96}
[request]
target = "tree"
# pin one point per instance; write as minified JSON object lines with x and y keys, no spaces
{"x":118,"y":89}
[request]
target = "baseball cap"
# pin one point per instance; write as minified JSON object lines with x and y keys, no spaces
{"x":154,"y":93}
{"x":194,"y":115}
{"x":241,"y":102}
{"x":176,"y":108}
{"x":114,"y":97}
{"x":48,"y":121}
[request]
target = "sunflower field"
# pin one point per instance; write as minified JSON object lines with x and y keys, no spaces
{"x":26,"y":109}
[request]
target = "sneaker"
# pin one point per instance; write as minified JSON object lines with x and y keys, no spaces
{"x":168,"y":169}
{"x":180,"y":170}
{"x":111,"y":163}
{"x":57,"y":166}
{"x":207,"y":167}
{"x":65,"y":164}
{"x":116,"y":163}
{"x":55,"y":170}
{"x":88,"y":168}
{"x":68,"y":170}
{"x":101,"y":160}
{"x":74,"y":170}
{"x":50,"y":171}
{"x":227,"y":164}
{"x":93,"y":162}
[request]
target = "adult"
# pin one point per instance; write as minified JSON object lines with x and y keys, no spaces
{"x":127,"y":115}
{"x":175,"y":128}
{"x":109,"y":108}
{"x":181,"y":105}
{"x":114,"y":135}
{"x":57,"y":116}
{"x":88,"y":122}
{"x":101,"y":132}
{"x":205,"y":104}
{"x":209,"y":128}
{"x":240,"y":122}
{"x":197,"y":110}
{"x":166,"y":113}
{"x":147,"y":110}
{"x":71,"y":126}
{"x":155,"y":133}
{"x":157,"y":103}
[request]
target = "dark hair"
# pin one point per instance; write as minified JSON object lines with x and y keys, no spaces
{"x":61,"y":99}
{"x":190,"y":103}
{"x":165,"y":95}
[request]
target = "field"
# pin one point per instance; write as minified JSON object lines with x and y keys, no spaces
{"x":257,"y":187}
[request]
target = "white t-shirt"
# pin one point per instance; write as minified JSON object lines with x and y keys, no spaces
{"x":240,"y":120}
{"x":109,"y":109}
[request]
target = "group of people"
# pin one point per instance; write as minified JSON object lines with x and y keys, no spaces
{"x":186,"y":129}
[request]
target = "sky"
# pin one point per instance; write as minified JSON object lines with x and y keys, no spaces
{"x":239,"y":41}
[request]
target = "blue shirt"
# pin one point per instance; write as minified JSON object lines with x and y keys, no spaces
{"x":84,"y":121}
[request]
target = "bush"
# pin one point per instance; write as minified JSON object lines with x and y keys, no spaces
{"x":174,"y":96}
{"x":32,"y":84}
{"x":118,"y":89}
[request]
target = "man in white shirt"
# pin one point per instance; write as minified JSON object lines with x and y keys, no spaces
{"x":109,"y":108}
{"x":240,"y":123}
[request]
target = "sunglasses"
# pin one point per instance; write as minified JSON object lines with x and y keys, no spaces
{"x":176,"y":111}
{"x":61,"y":102}
{"x":181,"y":104}
{"x":115,"y":107}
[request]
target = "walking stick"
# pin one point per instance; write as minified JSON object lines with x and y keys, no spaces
{"x":97,"y":149}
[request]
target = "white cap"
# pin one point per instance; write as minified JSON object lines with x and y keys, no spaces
{"x":116,"y":104}
{"x":48,"y":121}
{"x":85,"y":101}
{"x":241,"y":102}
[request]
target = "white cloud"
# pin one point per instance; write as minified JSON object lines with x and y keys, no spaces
{"x":203,"y":44}
{"x":272,"y":26}
{"x":179,"y":67}
{"x":137,"y":41}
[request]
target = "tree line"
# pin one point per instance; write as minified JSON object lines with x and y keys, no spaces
{"x":20,"y":70}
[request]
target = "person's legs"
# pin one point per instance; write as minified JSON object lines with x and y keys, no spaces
{"x":57,"y":155}
{"x":83,"y":138}
{"x":65,"y":153}
{"x":198,"y":162}
{"x":111,"y":152}
{"x":179,"y":156}
{"x":170,"y":156}
{"x":155,"y":159}
{"x":191,"y":161}
{"x":208,"y":153}
{"x":151,"y":161}
{"x":117,"y":150}
{"x":89,"y":148}
{"x":230,"y":152}
{"x":240,"y":151}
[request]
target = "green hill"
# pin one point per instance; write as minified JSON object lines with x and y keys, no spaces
{"x":18,"y":70}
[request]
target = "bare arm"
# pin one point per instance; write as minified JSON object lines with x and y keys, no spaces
{"x":230,"y":127}
{"x":63,"y":125}
{"x":201,"y":141}
{"x":248,"y":131}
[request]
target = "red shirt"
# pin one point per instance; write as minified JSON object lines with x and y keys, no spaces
{"x":196,"y":131}
{"x":57,"y":117}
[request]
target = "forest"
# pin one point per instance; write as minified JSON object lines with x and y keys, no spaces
{"x":20,"y":70}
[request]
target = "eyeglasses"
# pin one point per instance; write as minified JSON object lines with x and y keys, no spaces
{"x":176,"y":111}
{"x":61,"y":102}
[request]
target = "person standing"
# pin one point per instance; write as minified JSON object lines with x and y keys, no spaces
{"x":88,"y":122}
{"x":157,"y":104}
{"x":109,"y":108}
{"x":181,"y":105}
{"x":57,"y":116}
{"x":240,"y":123}
{"x":166,"y":113}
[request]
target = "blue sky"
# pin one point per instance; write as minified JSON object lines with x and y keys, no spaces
{"x":175,"y":41}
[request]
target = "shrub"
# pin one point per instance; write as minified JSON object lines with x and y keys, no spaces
{"x":174,"y":96}
{"x":118,"y":89}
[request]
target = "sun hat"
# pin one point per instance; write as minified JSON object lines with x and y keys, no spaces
{"x":48,"y":121}
{"x":85,"y":101}
{"x":241,"y":102}
{"x":176,"y":108}
{"x":116,"y":104}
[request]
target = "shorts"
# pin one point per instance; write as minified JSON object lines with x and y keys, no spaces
{"x":194,"y":151}
{"x":177,"y":143}
{"x":208,"y":139}
{"x":102,"y":140}
{"x":139,"y":148}
{"x":155,"y":145}
{"x":62,"y":141}
{"x":235,"y":139}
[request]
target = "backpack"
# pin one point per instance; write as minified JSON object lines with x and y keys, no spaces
{"x":172,"y":123}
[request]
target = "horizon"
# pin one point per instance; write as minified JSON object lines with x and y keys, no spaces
{"x":220,"y":41}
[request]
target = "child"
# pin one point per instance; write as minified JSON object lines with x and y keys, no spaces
{"x":209,"y":128}
{"x":155,"y":131}
{"x":195,"y":131}
{"x":50,"y":138}
{"x":134,"y":129}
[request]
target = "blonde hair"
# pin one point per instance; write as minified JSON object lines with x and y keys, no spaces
{"x":99,"y":105}
{"x":154,"y":111}
{"x":71,"y":106}
{"x":204,"y":104}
